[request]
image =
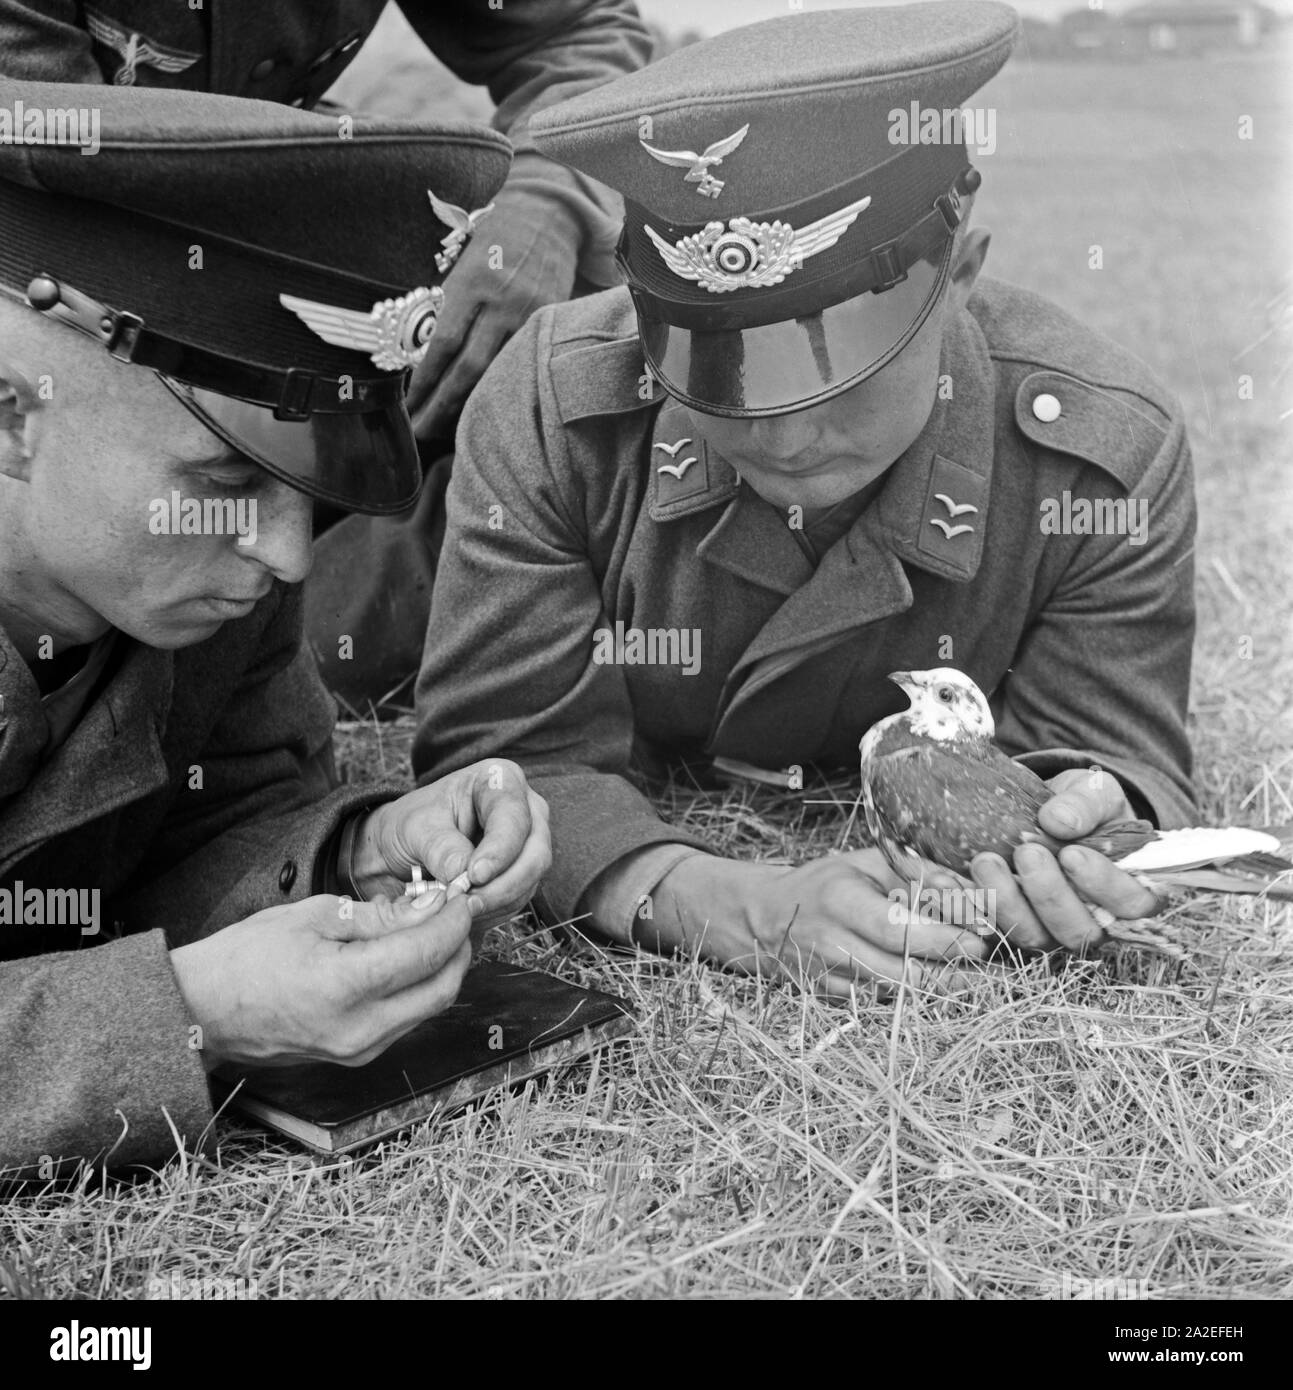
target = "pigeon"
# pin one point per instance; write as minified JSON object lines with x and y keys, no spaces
{"x":935,"y":786}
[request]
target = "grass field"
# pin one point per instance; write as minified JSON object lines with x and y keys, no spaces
{"x":1126,"y":1118}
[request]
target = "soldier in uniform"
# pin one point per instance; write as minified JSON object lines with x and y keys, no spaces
{"x":204,"y":328}
{"x":701,"y":518}
{"x":553,"y":227}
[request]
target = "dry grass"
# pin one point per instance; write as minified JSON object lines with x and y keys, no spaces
{"x":1128,"y":1117}
{"x":1123,"y":1118}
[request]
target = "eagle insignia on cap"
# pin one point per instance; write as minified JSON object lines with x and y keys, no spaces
{"x":395,"y":333}
{"x":463,"y":224}
{"x":698,"y":164}
{"x":752,"y":255}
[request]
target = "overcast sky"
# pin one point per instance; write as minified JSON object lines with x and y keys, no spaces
{"x":711,"y":16}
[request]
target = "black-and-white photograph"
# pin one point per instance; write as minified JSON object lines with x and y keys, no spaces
{"x":646,"y":654}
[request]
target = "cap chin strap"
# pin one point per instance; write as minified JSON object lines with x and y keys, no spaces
{"x":292,"y":394}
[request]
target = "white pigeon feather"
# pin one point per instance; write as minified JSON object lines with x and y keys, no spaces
{"x":1196,"y":846}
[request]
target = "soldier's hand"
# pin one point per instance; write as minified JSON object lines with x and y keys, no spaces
{"x":1045,"y":907}
{"x":325,"y":979}
{"x":482,"y":821}
{"x":522,"y":256}
{"x":832,"y":920}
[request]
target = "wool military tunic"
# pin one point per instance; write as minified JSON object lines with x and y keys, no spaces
{"x":192,"y":792}
{"x":530,"y":53}
{"x":567,"y":523}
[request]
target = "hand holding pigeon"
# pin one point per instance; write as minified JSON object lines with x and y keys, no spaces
{"x":935,"y":786}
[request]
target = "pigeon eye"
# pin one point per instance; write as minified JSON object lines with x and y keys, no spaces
{"x":945,"y":694}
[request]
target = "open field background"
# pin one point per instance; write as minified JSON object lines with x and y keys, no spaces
{"x":1128,"y":1118}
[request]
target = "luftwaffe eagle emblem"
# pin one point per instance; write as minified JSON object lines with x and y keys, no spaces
{"x":698,"y":164}
{"x":462,"y":223}
{"x":752,"y":255}
{"x":395,"y":333}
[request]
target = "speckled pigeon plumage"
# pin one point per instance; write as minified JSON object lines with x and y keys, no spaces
{"x":935,"y":785}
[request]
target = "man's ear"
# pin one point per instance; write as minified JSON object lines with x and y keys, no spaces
{"x":18,"y":403}
{"x":969,"y":262}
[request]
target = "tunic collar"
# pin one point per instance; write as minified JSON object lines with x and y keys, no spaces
{"x":110,"y":758}
{"x":930,"y":513}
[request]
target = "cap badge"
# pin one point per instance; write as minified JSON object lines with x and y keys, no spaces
{"x":698,"y":164}
{"x":675,"y":470}
{"x":395,"y":332}
{"x":135,"y":49}
{"x":752,"y":255}
{"x":462,"y":223}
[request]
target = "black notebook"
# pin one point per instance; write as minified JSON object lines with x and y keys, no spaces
{"x":506,"y":1024}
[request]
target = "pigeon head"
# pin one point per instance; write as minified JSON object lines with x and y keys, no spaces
{"x":945,"y":704}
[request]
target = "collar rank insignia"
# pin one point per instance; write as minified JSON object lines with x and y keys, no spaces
{"x":752,"y":255}
{"x":395,"y":333}
{"x":462,"y":223}
{"x":675,"y":470}
{"x":697,"y":165}
{"x":954,"y":509}
{"x":135,"y":49}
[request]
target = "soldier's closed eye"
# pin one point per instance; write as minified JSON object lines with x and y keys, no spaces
{"x":245,"y":479}
{"x":227,"y":469}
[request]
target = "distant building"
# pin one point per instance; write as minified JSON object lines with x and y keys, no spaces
{"x":1204,"y":26}
{"x":1090,"y":34}
{"x":1040,"y":42}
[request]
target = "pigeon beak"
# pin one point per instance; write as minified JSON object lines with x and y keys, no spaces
{"x":908,"y":684}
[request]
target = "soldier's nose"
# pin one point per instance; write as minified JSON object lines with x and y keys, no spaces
{"x":280,"y":537}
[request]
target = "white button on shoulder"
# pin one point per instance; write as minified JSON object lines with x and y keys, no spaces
{"x":1046,"y":408}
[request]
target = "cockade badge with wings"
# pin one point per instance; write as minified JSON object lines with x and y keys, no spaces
{"x":463,"y":224}
{"x":395,"y":333}
{"x":697,"y":165}
{"x":752,"y":255}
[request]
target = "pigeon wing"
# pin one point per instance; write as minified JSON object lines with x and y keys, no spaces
{"x":1193,"y":848}
{"x":949,"y":802}
{"x":1230,"y":859}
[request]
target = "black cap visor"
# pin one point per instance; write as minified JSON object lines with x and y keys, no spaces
{"x":364,"y":461}
{"x":790,"y":365}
